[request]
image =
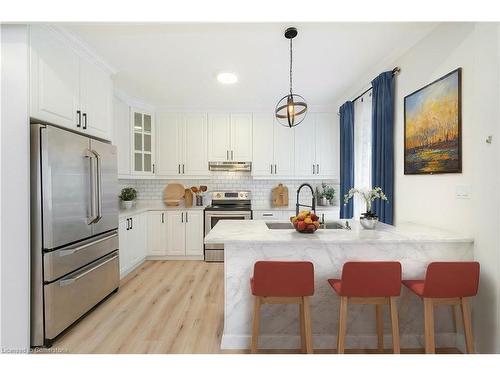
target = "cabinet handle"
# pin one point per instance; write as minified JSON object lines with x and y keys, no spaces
{"x":179,"y":168}
{"x":79,"y":124}
{"x":275,"y":169}
{"x":84,"y":121}
{"x":153,"y":168}
{"x":317,"y":168}
{"x":271,"y":169}
{"x":182,"y":217}
{"x":227,"y":154}
{"x":267,"y":214}
{"x":131,"y":223}
{"x":127,"y":225}
{"x":162,"y":217}
{"x":187,"y":221}
{"x":232,"y":155}
{"x":313,"y":169}
{"x":182,"y":168}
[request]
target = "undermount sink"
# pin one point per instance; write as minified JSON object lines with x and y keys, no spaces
{"x":327,"y":225}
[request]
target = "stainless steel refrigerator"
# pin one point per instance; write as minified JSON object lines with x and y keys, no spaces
{"x":74,"y":221}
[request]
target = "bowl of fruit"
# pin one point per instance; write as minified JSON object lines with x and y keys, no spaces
{"x":305,"y":222}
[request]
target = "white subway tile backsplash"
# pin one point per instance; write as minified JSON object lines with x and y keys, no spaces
{"x":260,"y":189}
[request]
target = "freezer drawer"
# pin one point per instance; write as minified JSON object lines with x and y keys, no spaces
{"x":62,"y":261}
{"x":69,"y":298}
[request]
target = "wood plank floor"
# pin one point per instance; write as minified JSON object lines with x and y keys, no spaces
{"x":162,"y":307}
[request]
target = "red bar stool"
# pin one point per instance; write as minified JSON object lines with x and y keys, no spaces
{"x":373,"y":283}
{"x":278,"y":282}
{"x":447,"y":283}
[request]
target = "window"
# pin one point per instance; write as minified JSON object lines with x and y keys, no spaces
{"x":362,"y":149}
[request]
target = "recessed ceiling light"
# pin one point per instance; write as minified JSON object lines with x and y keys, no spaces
{"x":227,"y":78}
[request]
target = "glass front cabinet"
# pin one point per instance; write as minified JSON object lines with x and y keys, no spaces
{"x":142,"y":125}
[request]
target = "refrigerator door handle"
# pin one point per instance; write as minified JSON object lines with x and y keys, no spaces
{"x":93,"y":211}
{"x":99,"y":186}
{"x":73,"y":250}
{"x":68,"y":281}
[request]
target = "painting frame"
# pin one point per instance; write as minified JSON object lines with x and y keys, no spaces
{"x":457,"y":71}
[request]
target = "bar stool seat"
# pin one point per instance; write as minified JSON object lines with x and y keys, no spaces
{"x":447,"y":283}
{"x":279,"y":282}
{"x":375,"y":283}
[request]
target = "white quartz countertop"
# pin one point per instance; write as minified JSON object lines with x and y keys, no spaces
{"x":155,"y":205}
{"x":256,"y":207}
{"x":227,"y":231}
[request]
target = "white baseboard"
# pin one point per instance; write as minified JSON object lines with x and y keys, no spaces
{"x":449,"y":340}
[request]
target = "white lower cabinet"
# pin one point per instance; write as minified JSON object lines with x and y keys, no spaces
{"x":185,"y":233}
{"x":132,"y":240}
{"x":157,"y":233}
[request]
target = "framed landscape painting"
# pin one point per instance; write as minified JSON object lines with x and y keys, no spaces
{"x":433,"y":139}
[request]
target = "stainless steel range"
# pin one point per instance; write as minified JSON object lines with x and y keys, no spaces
{"x":226,"y":205}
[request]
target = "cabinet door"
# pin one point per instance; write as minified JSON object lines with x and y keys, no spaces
{"x":241,"y":137}
{"x":195,"y":162}
{"x":95,"y":100}
{"x":121,"y":135}
{"x":176,"y":233}
{"x":54,"y":79}
{"x":284,"y":150}
{"x":124,"y":246}
{"x":219,"y":137}
{"x":194,"y":233}
{"x":327,"y":144}
{"x":138,"y":239}
{"x":306,"y":148}
{"x":142,"y":131}
{"x":263,"y":162}
{"x":157,"y":233}
{"x":170,"y":144}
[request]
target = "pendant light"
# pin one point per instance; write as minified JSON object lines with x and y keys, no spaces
{"x":292,"y":108}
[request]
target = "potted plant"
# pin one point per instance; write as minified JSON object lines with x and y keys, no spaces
{"x":368,"y":219}
{"x":127,"y":197}
{"x":325,"y":196}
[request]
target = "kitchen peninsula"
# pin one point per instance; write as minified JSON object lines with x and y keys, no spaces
{"x":246,"y":242}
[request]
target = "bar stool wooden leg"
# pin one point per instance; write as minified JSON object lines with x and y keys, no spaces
{"x":430,"y":346}
{"x":454,"y":317}
{"x":380,"y":328}
{"x":342,"y":325}
{"x":307,"y":325}
{"x":466,"y":317}
{"x":255,"y":327}
{"x":302,"y":327}
{"x":395,"y":326}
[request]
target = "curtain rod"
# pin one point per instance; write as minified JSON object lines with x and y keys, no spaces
{"x":395,"y":71}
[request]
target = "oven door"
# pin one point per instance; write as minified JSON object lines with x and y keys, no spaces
{"x":213,"y":217}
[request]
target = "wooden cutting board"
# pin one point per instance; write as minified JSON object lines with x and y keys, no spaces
{"x":280,"y":196}
{"x":173,"y":194}
{"x":188,"y":198}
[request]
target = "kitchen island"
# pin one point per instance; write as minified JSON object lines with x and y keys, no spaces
{"x":247,"y":241}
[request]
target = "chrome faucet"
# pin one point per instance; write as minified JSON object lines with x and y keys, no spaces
{"x":298,"y":205}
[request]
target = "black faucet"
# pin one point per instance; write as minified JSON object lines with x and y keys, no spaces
{"x":298,"y":205}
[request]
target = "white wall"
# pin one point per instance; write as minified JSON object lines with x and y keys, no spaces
{"x":431,"y":199}
{"x":15,"y":184}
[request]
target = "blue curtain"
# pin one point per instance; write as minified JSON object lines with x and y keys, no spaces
{"x":346,"y":157}
{"x":383,"y":144}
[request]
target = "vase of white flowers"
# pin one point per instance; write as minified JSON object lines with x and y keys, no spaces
{"x":368,"y":219}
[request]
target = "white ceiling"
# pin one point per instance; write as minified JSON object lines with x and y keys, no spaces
{"x":176,"y":65}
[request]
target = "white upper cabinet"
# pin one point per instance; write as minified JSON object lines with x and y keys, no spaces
{"x":327,"y":145}
{"x":284,"y":151}
{"x":54,"y":79}
{"x":305,"y":144}
{"x":263,"y":158}
{"x":273,"y":147}
{"x":142,"y":137}
{"x":230,"y":137}
{"x":219,"y":137}
{"x":241,"y":137}
{"x":95,"y":100}
{"x":182,"y":145}
{"x":67,"y":88}
{"x":121,"y":135}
